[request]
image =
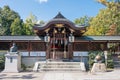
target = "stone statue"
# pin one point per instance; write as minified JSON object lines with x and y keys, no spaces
{"x":13,"y":48}
{"x":98,"y":66}
{"x":98,"y":59}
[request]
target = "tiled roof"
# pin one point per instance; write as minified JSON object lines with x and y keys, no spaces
{"x":77,"y":38}
{"x":58,"y":18}
{"x":21,"y":38}
{"x":98,"y":38}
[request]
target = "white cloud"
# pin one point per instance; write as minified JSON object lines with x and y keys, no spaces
{"x":42,"y":1}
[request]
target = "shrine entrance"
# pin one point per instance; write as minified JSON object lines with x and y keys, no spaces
{"x":59,"y":44}
{"x":59,"y":38}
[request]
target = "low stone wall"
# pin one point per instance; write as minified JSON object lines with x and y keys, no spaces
{"x":81,"y":56}
{"x":77,"y":57}
{"x":30,"y":61}
{"x":3,"y":52}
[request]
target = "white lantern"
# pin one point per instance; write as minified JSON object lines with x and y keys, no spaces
{"x":71,"y":38}
{"x":47,"y":38}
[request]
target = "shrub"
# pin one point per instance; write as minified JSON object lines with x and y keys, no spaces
{"x":110,"y":64}
{"x":23,"y":66}
{"x":110,"y":61}
{"x":2,"y":61}
{"x":91,"y":59}
{"x":92,"y":55}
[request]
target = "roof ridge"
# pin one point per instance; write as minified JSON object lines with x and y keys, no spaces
{"x":59,"y":15}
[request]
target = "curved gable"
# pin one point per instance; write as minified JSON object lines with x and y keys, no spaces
{"x":59,"y":19}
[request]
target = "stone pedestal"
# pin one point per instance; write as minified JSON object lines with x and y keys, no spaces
{"x":98,"y":67}
{"x":82,"y":66}
{"x":12,"y":62}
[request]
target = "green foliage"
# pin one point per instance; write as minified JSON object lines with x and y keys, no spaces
{"x":2,"y":31}
{"x":106,"y":17}
{"x":23,"y":66}
{"x":2,"y":61}
{"x":91,"y":59}
{"x":16,"y":27}
{"x":110,"y":63}
{"x":11,"y":23}
{"x":6,"y":18}
{"x":29,"y":23}
{"x":83,"y":21}
{"x":92,"y":55}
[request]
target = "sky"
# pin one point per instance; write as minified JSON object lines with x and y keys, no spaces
{"x":47,"y":9}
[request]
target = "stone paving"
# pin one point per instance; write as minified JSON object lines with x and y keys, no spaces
{"x":114,"y":75}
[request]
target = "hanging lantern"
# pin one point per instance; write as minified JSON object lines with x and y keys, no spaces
{"x":56,"y":41}
{"x":61,"y":41}
{"x":66,"y":42}
{"x":71,"y":38}
{"x":51,"y":41}
{"x":47,"y":38}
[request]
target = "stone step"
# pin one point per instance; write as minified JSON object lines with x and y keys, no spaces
{"x":116,"y":67}
{"x":116,"y":61}
{"x":62,"y":63}
{"x":60,"y":66}
{"x":117,"y":64}
{"x":59,"y":69}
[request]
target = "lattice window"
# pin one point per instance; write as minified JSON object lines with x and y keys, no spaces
{"x":38,"y":46}
{"x":4,"y":45}
{"x":81,"y":47}
{"x":98,"y":46}
{"x":22,"y":45}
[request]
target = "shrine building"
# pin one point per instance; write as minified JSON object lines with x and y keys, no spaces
{"x":58,"y":39}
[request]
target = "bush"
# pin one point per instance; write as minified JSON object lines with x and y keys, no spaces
{"x":2,"y":61}
{"x":23,"y":66}
{"x":91,"y":59}
{"x":110,"y":64}
{"x":92,"y":55}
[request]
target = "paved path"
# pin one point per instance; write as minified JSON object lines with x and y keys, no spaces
{"x":114,"y":75}
{"x":58,"y":76}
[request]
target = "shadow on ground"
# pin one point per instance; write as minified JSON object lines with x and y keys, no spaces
{"x":26,"y":76}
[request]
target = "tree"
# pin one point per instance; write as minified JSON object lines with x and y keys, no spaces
{"x":29,"y":23}
{"x":7,"y":16}
{"x":16,"y":27}
{"x":98,"y":24}
{"x":105,"y":18}
{"x":114,"y":8}
{"x":2,"y":31}
{"x":112,"y":30}
{"x":83,"y":21}
{"x":40,"y":22}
